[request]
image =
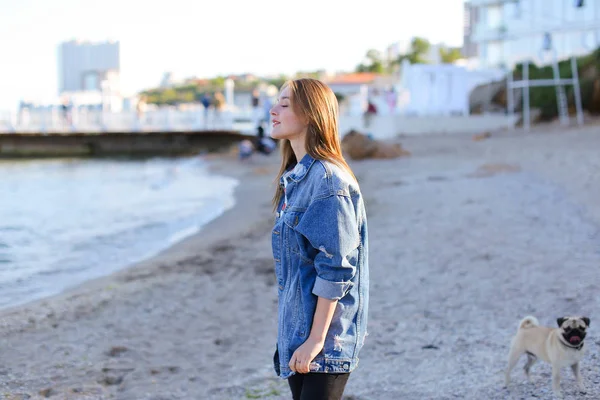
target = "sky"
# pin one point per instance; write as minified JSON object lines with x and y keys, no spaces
{"x":209,"y":38}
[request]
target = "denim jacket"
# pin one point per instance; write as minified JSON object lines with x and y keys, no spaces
{"x":320,"y":248}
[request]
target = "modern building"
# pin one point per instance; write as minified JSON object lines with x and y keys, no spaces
{"x":84,"y":66}
{"x":506,"y":32}
{"x":471,"y":14}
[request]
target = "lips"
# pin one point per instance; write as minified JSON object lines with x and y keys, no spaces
{"x":275,"y":123}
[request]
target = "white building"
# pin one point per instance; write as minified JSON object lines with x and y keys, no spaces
{"x":510,"y":31}
{"x":89,"y":74}
{"x":470,"y":20}
{"x":83,"y":66}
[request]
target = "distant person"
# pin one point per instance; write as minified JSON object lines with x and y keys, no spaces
{"x":245,"y":149}
{"x":218,"y":105}
{"x":255,"y":98}
{"x":255,"y":102}
{"x":264,"y":144}
{"x":369,"y":113}
{"x":391,"y":99}
{"x":140,"y":110}
{"x":320,"y":246}
{"x":66,"y":108}
{"x":206,"y":101}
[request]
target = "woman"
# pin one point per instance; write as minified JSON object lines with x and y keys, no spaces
{"x":319,"y":246}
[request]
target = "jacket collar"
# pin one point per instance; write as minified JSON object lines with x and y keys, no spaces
{"x":300,"y":169}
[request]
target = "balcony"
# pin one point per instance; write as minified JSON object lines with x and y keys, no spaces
{"x":484,"y":33}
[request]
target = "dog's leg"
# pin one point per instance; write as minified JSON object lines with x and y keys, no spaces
{"x":531,"y":359}
{"x":513,"y":358}
{"x":556,"y":381}
{"x":575,"y":368}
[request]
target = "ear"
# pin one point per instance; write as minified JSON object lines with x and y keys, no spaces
{"x":560,"y":321}
{"x":586,"y":320}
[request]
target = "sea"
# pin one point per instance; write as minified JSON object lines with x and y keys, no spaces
{"x":65,"y":221}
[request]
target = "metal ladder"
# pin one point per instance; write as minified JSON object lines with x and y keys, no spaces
{"x":561,"y":96}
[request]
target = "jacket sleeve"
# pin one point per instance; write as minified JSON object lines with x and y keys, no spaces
{"x":331,"y":227}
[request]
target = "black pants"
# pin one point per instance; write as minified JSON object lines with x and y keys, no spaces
{"x":318,"y":386}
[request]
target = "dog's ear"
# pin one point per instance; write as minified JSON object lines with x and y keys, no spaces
{"x":586,"y":320}
{"x":561,"y":320}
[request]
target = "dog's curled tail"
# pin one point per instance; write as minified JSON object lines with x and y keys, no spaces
{"x":528,"y":322}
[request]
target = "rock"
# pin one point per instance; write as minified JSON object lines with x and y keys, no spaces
{"x":359,"y":146}
{"x":117,"y":351}
{"x":389,"y":151}
{"x":492,"y":97}
{"x":482,"y":136}
{"x":110,"y":380}
{"x":487,"y":170}
{"x":48,"y":392}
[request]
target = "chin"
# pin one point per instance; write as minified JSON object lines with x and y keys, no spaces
{"x":278,"y":135}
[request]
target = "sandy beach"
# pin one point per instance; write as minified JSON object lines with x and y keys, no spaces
{"x":466,"y":238}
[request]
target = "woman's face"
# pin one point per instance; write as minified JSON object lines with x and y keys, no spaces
{"x":286,"y":123}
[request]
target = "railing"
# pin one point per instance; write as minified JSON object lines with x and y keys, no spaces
{"x":167,"y":119}
{"x":393,"y":116}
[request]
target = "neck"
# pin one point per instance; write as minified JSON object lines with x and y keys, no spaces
{"x":298,"y":148}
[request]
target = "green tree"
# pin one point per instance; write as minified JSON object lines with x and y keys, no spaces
{"x":279,"y":81}
{"x":450,"y":55}
{"x":373,"y":63}
{"x":218,"y":82}
{"x":419,"y":47}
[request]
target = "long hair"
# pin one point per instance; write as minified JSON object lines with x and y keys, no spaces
{"x":316,"y":102}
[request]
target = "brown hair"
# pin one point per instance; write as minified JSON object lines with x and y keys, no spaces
{"x":316,"y":102}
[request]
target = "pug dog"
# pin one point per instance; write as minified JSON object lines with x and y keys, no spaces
{"x":561,"y":347}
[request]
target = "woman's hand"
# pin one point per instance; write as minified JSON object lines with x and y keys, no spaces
{"x":303,"y":356}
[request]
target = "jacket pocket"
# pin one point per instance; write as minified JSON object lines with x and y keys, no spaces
{"x":297,"y":243}
{"x":290,"y":220}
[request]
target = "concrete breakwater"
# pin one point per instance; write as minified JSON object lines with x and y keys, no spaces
{"x":17,"y":145}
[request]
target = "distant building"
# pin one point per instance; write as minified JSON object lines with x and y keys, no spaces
{"x":84,"y":66}
{"x":510,"y":31}
{"x":471,"y":19}
{"x":351,"y":83}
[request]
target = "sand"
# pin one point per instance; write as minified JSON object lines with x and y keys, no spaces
{"x":466,"y":238}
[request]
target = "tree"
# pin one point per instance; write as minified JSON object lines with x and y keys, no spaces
{"x":278,"y":82}
{"x":450,"y":55}
{"x":417,"y":54}
{"x":316,"y":74}
{"x":218,"y":82}
{"x":374,"y":63}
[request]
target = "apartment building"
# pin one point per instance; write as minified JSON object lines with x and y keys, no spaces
{"x":500,"y":33}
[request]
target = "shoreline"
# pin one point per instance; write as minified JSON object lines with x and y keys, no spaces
{"x":216,"y":230}
{"x":148,"y":217}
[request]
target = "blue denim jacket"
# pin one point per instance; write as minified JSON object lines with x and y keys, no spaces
{"x":320,"y":249}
